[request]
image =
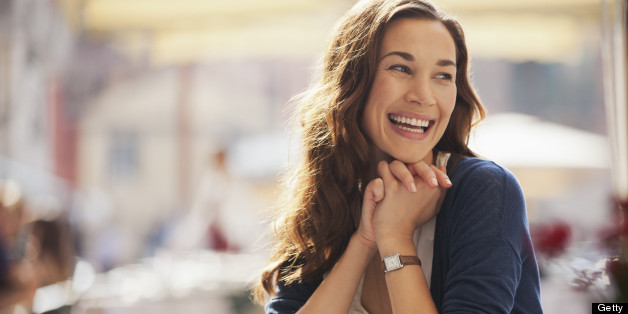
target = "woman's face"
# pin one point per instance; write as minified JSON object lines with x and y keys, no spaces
{"x":414,"y":90}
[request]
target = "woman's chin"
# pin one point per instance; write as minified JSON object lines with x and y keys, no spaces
{"x":404,"y":155}
{"x":410,"y":158}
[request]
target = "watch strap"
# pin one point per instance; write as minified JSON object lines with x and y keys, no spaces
{"x":409,"y":260}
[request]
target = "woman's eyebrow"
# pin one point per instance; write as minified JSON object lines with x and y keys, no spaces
{"x":445,"y":62}
{"x":406,"y":56}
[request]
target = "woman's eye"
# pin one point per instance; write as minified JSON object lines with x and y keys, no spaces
{"x":401,"y":68}
{"x":445,"y":76}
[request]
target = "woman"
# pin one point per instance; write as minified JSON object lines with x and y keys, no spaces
{"x":393,"y":103}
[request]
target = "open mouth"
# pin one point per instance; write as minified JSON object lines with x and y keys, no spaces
{"x":410,"y":124}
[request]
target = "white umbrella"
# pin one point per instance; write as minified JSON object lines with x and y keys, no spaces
{"x":522,"y":141}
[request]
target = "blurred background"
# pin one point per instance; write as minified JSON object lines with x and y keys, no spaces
{"x":141,"y":142}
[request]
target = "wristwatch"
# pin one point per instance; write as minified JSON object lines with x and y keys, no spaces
{"x":397,"y":261}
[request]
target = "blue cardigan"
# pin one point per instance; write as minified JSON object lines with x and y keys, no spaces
{"x":483,"y":256}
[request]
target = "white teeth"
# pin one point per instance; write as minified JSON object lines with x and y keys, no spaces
{"x":419,"y":130}
{"x":410,"y":121}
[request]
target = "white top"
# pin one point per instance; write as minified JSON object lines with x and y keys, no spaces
{"x":424,"y":242}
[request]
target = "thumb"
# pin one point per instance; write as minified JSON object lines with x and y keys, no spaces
{"x":375,"y":190}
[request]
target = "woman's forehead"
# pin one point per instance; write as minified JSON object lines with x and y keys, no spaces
{"x":419,"y":38}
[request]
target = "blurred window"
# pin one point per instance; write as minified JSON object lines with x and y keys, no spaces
{"x":123,"y":155}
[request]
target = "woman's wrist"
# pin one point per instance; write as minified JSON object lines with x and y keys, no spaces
{"x":401,"y":233}
{"x":403,"y":245}
{"x":363,"y":244}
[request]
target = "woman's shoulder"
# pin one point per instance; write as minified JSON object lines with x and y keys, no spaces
{"x":483,"y":180}
{"x":478,"y":169}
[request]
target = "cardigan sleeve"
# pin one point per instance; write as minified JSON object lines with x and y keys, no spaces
{"x":486,"y":242}
{"x":290,"y":298}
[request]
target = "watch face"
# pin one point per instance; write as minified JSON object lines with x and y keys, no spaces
{"x":392,"y":262}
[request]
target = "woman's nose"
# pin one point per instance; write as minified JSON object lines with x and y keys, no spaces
{"x":420,"y":92}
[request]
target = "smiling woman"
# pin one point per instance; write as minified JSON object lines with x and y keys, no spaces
{"x":389,"y":210}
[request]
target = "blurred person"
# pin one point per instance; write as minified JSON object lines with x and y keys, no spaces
{"x":50,"y":252}
{"x":223,"y":213}
{"x":370,"y":221}
{"x":33,"y":253}
{"x":198,"y":228}
{"x":213,"y":192}
{"x":50,"y":246}
{"x":17,"y":280}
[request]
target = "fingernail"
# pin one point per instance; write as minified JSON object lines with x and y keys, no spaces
{"x":434,"y":181}
{"x":413,"y":187}
{"x":448,"y":181}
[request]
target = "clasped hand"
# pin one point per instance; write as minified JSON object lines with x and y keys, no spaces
{"x":401,"y":200}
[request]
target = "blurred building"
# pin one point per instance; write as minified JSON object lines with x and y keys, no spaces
{"x":35,"y":44}
{"x":148,"y":138}
{"x":169,"y":84}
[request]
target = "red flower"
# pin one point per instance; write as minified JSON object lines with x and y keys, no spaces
{"x":623,"y":218}
{"x":551,"y":239}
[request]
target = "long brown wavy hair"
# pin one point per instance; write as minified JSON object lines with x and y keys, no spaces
{"x":320,"y":207}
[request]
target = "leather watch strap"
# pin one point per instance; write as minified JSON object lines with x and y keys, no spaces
{"x":409,"y":260}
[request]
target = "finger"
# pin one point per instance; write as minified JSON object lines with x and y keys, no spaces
{"x":402,"y":173}
{"x":384,"y":172}
{"x":441,"y":176}
{"x":376,"y":189}
{"x":426,"y":173}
